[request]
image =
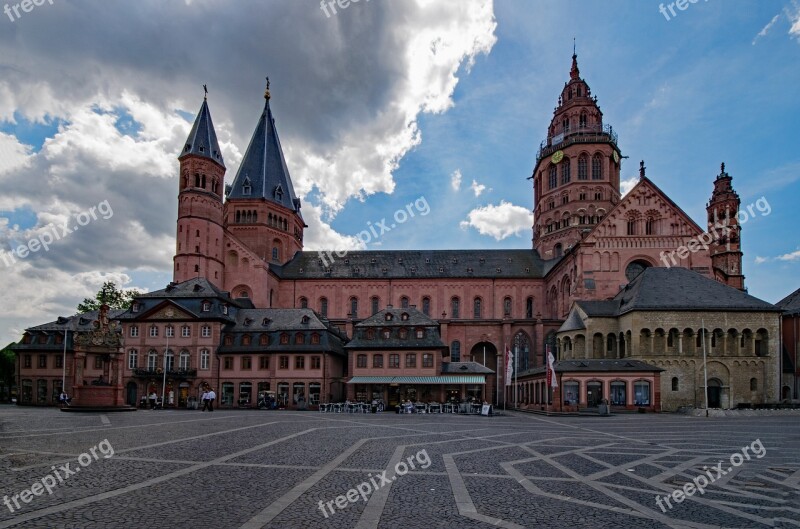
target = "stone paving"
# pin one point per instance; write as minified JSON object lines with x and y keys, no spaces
{"x":276,"y":469}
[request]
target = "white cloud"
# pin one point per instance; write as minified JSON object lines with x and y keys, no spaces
{"x":794,"y":18}
{"x":13,"y":154}
{"x":765,"y":29}
{"x":455,"y":180}
{"x":793,"y":256}
{"x":477,"y":188}
{"x":320,"y":236}
{"x":625,"y":186}
{"x":501,"y":221}
{"x":760,"y":259}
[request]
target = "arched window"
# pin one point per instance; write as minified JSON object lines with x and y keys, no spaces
{"x":565,"y":170}
{"x":404,"y":302}
{"x":507,"y":306}
{"x":455,"y":351}
{"x":169,"y":360}
{"x":558,"y":250}
{"x":455,"y":308}
{"x":303,"y":303}
{"x":375,"y":302}
{"x":354,"y":307}
{"x":476,"y":308}
{"x":582,"y":119}
{"x":323,"y":307}
{"x":529,"y":308}
{"x":426,"y":306}
{"x":675,"y":383}
{"x":183,"y":362}
{"x":553,"y":177}
{"x":275,"y":254}
{"x":649,"y":226}
{"x":583,"y":167}
{"x":597,"y":167}
{"x":753,"y":384}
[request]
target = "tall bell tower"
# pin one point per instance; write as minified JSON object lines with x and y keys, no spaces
{"x":723,"y":225}
{"x":576,"y":178}
{"x":200,"y":230}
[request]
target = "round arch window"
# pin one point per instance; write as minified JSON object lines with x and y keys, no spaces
{"x":635,"y":268}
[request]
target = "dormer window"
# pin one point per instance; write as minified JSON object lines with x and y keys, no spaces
{"x":389,"y":316}
{"x":403,"y":334}
{"x":206,"y":306}
{"x":248,"y":322}
{"x":225,"y":309}
{"x":279,"y":192}
{"x":386,"y":333}
{"x":420,"y":333}
{"x":134,"y":307}
{"x":247,"y":187}
{"x":404,"y":316}
{"x":305,"y":320}
{"x":265,"y":322}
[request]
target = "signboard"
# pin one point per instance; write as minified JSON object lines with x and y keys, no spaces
{"x":486,"y":409}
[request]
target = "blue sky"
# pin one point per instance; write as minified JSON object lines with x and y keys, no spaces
{"x":378,"y":106}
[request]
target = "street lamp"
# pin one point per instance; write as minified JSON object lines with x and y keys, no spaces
{"x":65,"y":321}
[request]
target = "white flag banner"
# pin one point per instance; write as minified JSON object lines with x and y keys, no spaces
{"x":552,"y":381}
{"x":509,"y":365}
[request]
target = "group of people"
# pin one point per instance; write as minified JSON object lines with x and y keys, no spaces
{"x":208,"y":398}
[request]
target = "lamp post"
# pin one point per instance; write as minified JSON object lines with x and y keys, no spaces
{"x":64,"y":360}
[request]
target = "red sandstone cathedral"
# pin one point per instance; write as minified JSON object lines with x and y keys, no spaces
{"x":588,"y":240}
{"x":628,"y":292}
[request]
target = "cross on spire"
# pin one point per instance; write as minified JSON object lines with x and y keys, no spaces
{"x":266,"y":92}
{"x":642,"y":169}
{"x":205,"y":89}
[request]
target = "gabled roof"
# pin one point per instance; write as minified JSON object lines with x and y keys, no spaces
{"x":263,"y":172}
{"x":791,"y":303}
{"x":397,"y":317}
{"x":412,"y":264}
{"x":643,"y":181}
{"x":676,"y":288}
{"x":187,"y":296}
{"x":413,"y":319}
{"x":191,"y":288}
{"x":461,"y":368}
{"x":254,"y":322}
{"x":574,"y":322}
{"x":202,"y":140}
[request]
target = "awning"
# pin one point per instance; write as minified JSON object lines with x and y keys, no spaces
{"x":453,"y":379}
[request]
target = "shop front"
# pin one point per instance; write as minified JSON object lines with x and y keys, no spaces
{"x":434,"y":389}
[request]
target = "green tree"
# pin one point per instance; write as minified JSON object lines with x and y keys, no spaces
{"x":7,"y":360}
{"x":111,"y":296}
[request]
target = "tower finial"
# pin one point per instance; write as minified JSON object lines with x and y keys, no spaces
{"x":574,"y":54}
{"x":266,"y":92}
{"x":642,"y":169}
{"x":722,"y":168}
{"x":574,"y":73}
{"x":205,"y":89}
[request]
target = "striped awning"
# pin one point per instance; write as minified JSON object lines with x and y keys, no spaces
{"x":444,"y":379}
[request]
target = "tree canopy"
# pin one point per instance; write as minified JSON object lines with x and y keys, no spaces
{"x":111,"y":296}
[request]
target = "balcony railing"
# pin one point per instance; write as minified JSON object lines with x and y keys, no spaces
{"x":180,"y":374}
{"x":587,"y":134}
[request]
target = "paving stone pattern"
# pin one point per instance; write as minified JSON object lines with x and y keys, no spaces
{"x":253,"y":469}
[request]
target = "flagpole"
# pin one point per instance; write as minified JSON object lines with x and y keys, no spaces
{"x":164,"y":383}
{"x":705,"y":367}
{"x":64,"y":362}
{"x":516,"y":379}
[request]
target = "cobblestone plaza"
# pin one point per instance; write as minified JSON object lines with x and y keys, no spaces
{"x":293,"y":469}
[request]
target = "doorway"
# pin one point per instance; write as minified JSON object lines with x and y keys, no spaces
{"x":594,"y":393}
{"x":714,"y":393}
{"x":132,"y":391}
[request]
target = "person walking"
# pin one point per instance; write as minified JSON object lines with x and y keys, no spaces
{"x":211,"y":397}
{"x":205,"y":400}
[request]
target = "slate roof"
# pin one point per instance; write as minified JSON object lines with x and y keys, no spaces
{"x":274,"y":322}
{"x":465,"y":368}
{"x":264,"y":169}
{"x":574,"y":322}
{"x":593,"y":365}
{"x":677,"y":288}
{"x":202,"y":139}
{"x":378,"y":322}
{"x":599,"y":309}
{"x":189,"y":296}
{"x":791,"y":303}
{"x":410,"y":264}
{"x":78,"y":322}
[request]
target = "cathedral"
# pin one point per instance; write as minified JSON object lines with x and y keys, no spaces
{"x":250,"y":311}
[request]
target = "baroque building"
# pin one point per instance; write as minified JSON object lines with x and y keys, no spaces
{"x":242,"y":246}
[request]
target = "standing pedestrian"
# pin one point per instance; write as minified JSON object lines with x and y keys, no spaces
{"x":211,"y":397}
{"x":205,"y":400}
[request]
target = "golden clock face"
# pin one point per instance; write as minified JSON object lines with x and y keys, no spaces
{"x":616,"y":157}
{"x":557,"y":157}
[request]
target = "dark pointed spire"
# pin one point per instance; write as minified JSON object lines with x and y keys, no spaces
{"x":263,"y":172}
{"x":202,"y":140}
{"x":574,"y":73}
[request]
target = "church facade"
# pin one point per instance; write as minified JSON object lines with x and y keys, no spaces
{"x":246,"y":240}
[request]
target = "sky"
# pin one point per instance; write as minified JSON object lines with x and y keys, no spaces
{"x":381,"y":106}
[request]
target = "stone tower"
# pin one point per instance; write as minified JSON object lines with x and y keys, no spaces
{"x":723,"y":225}
{"x":262,"y":210}
{"x":200,"y":212}
{"x":576,"y":178}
